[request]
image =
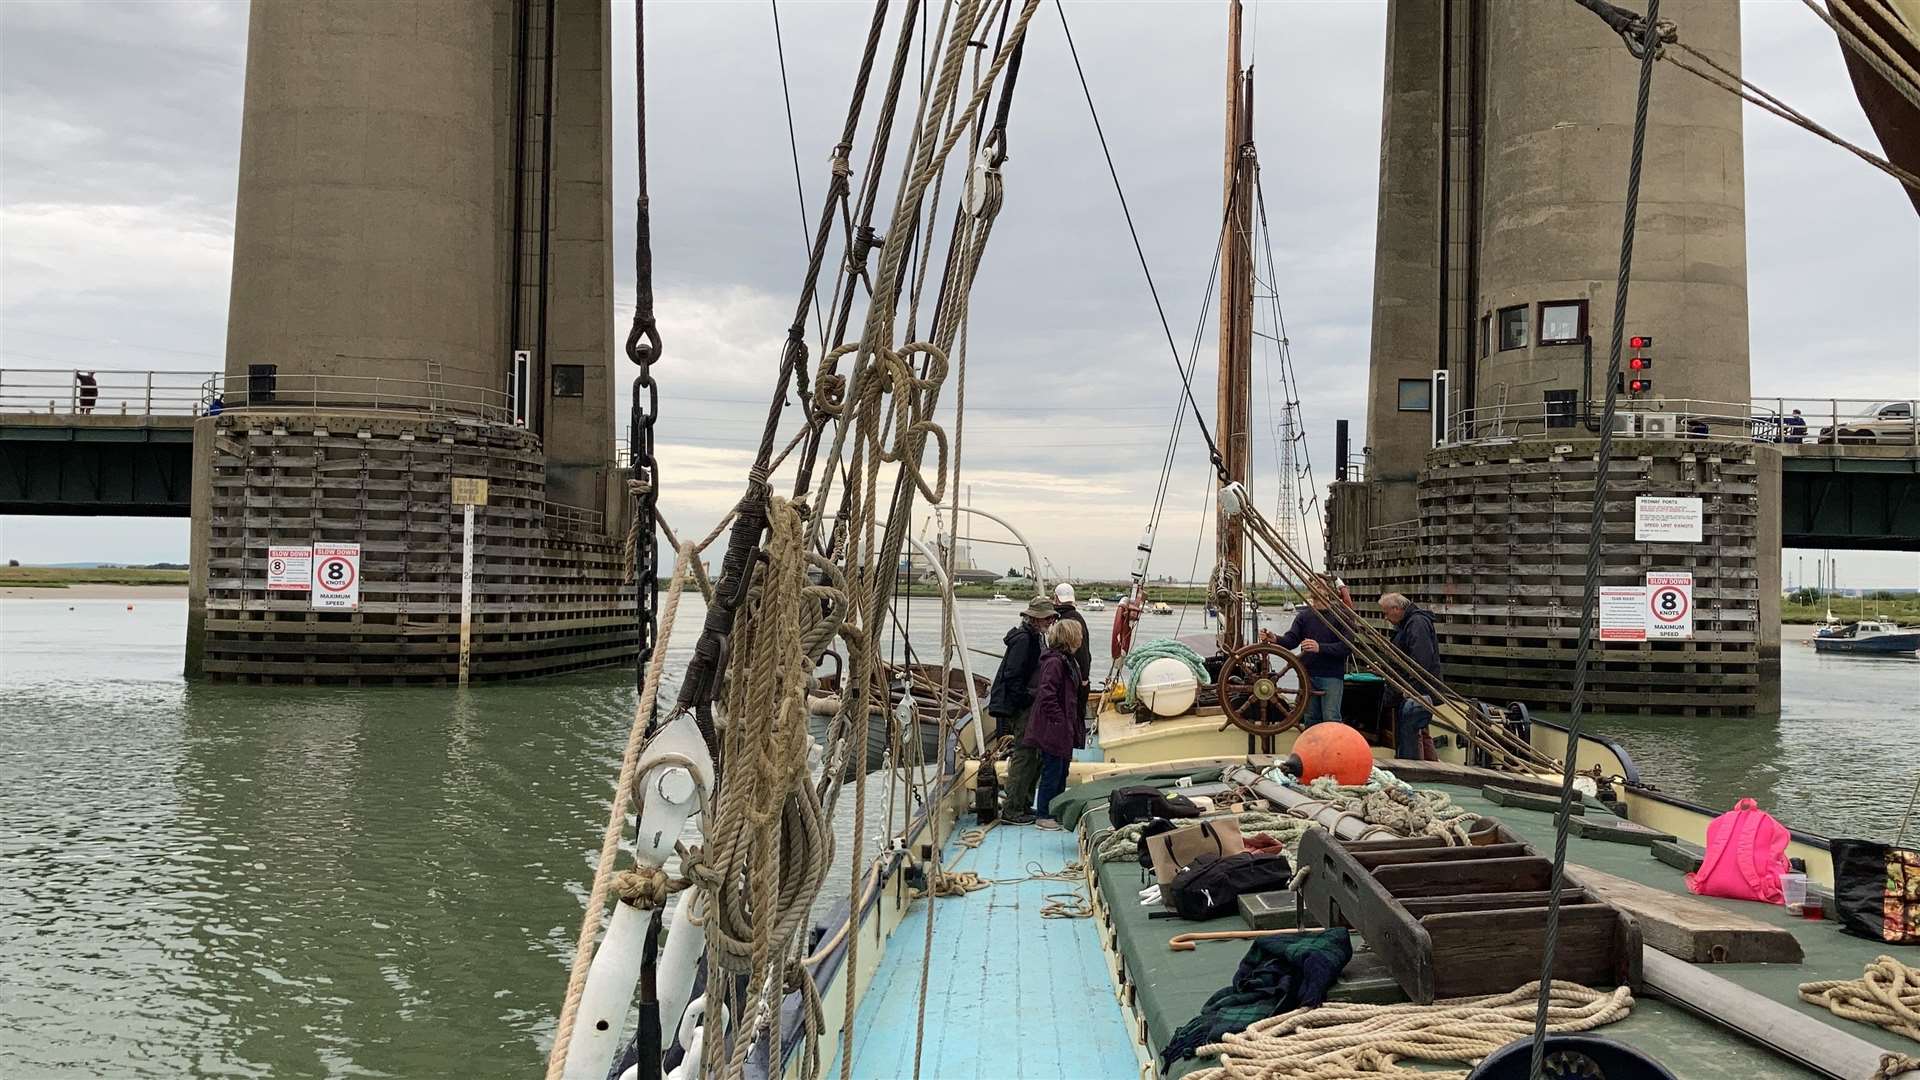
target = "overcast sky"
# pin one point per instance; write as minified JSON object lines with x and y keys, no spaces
{"x":119,"y":140}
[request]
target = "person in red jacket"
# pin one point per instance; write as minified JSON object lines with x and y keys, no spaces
{"x":1057,"y":724}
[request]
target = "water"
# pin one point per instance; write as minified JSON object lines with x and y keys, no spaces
{"x":290,"y":882}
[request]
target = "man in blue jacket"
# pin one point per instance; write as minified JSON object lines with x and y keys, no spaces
{"x":1413,"y":635}
{"x":1324,"y":654}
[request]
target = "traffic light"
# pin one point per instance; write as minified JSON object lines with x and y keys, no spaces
{"x":1641,"y":365}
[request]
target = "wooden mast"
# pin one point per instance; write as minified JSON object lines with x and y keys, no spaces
{"x":1234,"y":392}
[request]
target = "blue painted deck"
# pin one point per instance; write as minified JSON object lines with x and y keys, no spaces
{"x":1010,"y":994}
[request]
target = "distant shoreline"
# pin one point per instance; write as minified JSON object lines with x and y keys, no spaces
{"x":95,"y":591}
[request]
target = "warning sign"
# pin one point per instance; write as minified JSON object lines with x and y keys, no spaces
{"x":290,"y":568}
{"x":470,"y":490}
{"x":1670,"y":605}
{"x":1661,"y":517}
{"x":336,"y":577}
{"x":1623,"y":613}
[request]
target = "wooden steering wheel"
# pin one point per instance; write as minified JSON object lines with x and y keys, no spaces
{"x":1264,"y":689}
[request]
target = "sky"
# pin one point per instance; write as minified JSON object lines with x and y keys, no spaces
{"x":119,"y":143}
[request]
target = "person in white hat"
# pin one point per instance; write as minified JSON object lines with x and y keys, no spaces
{"x":1082,"y":656}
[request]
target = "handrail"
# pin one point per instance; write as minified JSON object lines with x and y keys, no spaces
{"x":559,"y":517}
{"x":1763,"y":420}
{"x":59,"y":392}
{"x":281,"y":392}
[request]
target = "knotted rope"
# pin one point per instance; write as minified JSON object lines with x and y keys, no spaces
{"x":1352,"y":1041}
{"x":1391,"y":803}
{"x":603,"y":873}
{"x":1886,"y":995}
{"x":1123,"y":844}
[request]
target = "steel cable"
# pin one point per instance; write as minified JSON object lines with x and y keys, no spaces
{"x":1596,"y":523}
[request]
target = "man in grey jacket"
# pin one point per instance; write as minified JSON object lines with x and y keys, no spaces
{"x":1413,"y":634}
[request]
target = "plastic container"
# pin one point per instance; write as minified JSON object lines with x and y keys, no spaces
{"x":1793,"y":886}
{"x":1166,"y":687}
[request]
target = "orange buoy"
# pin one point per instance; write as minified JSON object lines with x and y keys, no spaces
{"x":1336,"y":750}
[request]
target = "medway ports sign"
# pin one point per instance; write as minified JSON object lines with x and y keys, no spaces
{"x":1665,"y":518}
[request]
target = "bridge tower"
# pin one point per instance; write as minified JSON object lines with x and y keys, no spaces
{"x":1505,"y":144}
{"x":421,"y":292}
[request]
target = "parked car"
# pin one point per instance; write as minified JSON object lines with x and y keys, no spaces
{"x":1892,"y":422}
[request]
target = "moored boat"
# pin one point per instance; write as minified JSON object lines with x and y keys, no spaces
{"x":1869,"y":637}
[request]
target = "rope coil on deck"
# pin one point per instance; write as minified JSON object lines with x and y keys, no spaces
{"x":1886,"y":995}
{"x":1354,"y":1041}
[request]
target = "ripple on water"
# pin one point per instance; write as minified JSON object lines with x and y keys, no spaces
{"x":289,"y":882}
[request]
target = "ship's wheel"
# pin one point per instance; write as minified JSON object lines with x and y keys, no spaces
{"x":1264,"y":689}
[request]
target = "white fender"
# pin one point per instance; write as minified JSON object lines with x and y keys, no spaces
{"x":608,"y":995}
{"x":679,"y":963}
{"x":676,"y":772}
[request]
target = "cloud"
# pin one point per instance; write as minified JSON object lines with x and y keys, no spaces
{"x":119,"y":139}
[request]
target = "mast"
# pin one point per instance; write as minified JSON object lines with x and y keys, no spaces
{"x":1235,"y":387}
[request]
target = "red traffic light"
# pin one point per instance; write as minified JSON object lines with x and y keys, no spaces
{"x":1640,"y":363}
{"x":1639,"y":386}
{"x":1640,"y":342}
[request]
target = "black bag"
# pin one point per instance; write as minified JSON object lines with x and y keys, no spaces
{"x":1876,"y":890}
{"x":1141,"y":803}
{"x":1211,"y":886}
{"x":1153,"y":827}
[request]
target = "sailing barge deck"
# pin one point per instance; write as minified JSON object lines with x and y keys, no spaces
{"x":1026,"y":996}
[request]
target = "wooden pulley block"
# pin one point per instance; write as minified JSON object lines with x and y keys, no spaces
{"x":1264,"y":689}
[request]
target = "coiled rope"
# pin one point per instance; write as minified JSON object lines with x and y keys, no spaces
{"x":1353,"y":1041}
{"x":1123,"y":844}
{"x":1886,"y":995}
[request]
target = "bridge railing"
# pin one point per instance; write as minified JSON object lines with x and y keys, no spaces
{"x":1848,"y":421}
{"x":283,"y":392}
{"x":1767,"y":420}
{"x":68,"y":392}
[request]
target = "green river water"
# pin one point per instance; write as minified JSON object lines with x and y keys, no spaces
{"x":201,"y":880}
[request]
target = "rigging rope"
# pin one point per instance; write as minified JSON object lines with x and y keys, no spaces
{"x":793,"y":146}
{"x":1213,"y":449}
{"x":1590,"y":584}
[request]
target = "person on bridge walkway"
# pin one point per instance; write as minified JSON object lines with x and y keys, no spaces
{"x":1323,"y":652}
{"x":1795,"y":427}
{"x":1413,"y":635}
{"x":1083,"y":655}
{"x":1011,"y":700}
{"x":1057,"y":722}
{"x":89,"y":391}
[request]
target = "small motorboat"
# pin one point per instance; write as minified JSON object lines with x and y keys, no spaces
{"x":1870,"y":637}
{"x":1096,"y":604}
{"x":1160,"y":607}
{"x":1002,"y":598}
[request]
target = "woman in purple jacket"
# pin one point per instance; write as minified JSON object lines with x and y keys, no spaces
{"x":1057,"y":724}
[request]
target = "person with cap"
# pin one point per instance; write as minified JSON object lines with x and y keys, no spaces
{"x":1083,"y":654}
{"x":1011,"y":700}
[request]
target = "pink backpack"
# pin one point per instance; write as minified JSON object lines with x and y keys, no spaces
{"x":1746,"y":854}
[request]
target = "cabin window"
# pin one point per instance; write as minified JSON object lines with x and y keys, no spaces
{"x":1513,"y":327}
{"x":1416,"y":395}
{"x":1486,"y":334}
{"x":569,"y":380}
{"x":1563,"y":322}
